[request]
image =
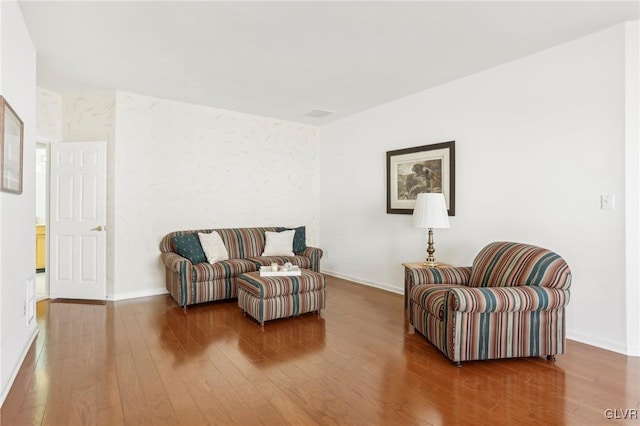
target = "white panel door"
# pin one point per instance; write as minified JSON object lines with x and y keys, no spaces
{"x":77,"y":220}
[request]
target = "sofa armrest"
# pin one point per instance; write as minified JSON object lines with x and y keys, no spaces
{"x":458,"y":275}
{"x":506,"y":299}
{"x":314,"y":254}
{"x":173,"y":261}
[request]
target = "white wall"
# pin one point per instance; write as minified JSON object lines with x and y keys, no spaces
{"x":632,"y":181}
{"x":538,"y":140}
{"x":17,"y":212}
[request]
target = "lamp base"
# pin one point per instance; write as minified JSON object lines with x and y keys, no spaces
{"x":431,"y":263}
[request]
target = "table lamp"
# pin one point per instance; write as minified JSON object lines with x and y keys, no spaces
{"x":430,"y":212}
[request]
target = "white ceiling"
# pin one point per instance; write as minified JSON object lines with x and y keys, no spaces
{"x":284,"y":59}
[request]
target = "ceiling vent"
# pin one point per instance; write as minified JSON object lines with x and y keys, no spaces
{"x":318,"y":113}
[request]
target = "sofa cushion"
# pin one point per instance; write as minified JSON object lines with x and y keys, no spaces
{"x":188,"y":246}
{"x":505,"y":264}
{"x":213,"y":247}
{"x":278,"y":243}
{"x":224,"y":269}
{"x":300,"y":261}
{"x":242,"y":243}
{"x":299,"y":239}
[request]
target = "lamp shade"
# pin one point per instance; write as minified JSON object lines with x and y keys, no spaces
{"x":430,"y":211}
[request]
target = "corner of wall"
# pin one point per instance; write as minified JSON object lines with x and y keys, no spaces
{"x":632,"y":187}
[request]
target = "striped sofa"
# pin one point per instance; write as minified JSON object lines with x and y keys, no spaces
{"x":510,"y":303}
{"x":204,"y":282}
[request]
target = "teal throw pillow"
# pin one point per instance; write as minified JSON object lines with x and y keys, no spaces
{"x":299,"y":239}
{"x":188,"y":245}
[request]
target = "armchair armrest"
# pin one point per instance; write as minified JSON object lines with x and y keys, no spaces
{"x":444,"y":275}
{"x":173,"y":261}
{"x":506,"y":299}
{"x":314,"y":254}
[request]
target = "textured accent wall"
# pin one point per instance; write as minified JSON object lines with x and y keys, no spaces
{"x":173,"y":165}
{"x":49,"y":115}
{"x":183,"y":166}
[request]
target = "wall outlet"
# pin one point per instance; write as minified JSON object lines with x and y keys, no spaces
{"x":607,"y":202}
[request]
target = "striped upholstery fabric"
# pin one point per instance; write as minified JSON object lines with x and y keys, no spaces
{"x":199,"y":291}
{"x":504,"y":264}
{"x":519,"y":318}
{"x":282,"y":306}
{"x":431,"y":297}
{"x":240,"y":242}
{"x":243,"y":242}
{"x":223,"y":269}
{"x":268,"y":298}
{"x":313,"y":254}
{"x":441,"y":275}
{"x":203,"y":282}
{"x":507,"y":299}
{"x":281,"y":285}
{"x":492,"y":335}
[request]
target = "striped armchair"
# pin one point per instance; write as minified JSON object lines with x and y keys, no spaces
{"x":509,"y":304}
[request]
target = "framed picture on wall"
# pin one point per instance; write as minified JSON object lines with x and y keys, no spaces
{"x":428,"y":168}
{"x":11,"y":148}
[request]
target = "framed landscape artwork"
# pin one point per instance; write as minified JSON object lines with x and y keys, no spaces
{"x":11,"y":147}
{"x":428,"y":168}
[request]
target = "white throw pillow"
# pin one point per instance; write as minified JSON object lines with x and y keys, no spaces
{"x":213,"y":247}
{"x":279,"y":243}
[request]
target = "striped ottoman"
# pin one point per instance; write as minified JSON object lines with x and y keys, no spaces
{"x":267,"y":298}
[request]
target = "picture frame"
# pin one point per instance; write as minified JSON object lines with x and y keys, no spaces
{"x":11,"y":148}
{"x":427,"y":168}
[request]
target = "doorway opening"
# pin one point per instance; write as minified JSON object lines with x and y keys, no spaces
{"x":42,"y":209}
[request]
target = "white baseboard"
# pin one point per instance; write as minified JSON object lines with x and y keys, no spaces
{"x":364,"y":282}
{"x":633,"y":351}
{"x":138,"y":294}
{"x":18,"y":365}
{"x":600,"y":343}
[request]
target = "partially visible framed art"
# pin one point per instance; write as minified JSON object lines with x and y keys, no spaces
{"x":428,"y":168}
{"x":11,"y":148}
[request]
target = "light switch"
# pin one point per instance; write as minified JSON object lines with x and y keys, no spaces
{"x":607,"y":202}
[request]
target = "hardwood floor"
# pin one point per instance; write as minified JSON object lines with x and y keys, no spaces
{"x":146,"y":362}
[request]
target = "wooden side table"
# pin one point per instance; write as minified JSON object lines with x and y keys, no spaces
{"x":408,"y":284}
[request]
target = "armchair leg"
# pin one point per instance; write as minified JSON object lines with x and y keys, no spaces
{"x":412,"y":329}
{"x":551,"y":358}
{"x":458,"y":364}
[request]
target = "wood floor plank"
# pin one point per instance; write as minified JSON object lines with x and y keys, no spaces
{"x":147,"y":361}
{"x":110,"y":416}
